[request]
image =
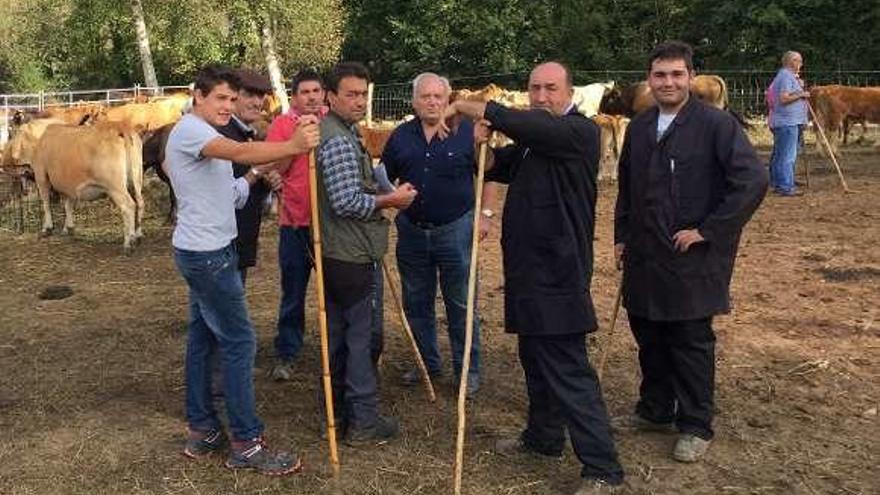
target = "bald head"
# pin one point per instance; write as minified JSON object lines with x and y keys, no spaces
{"x":550,"y":87}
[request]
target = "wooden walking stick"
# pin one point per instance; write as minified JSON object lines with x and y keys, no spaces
{"x":610,"y":339}
{"x":828,"y":148}
{"x":322,"y":315}
{"x":423,"y":370}
{"x":469,"y":321}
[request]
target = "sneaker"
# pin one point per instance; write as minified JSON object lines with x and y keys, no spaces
{"x":253,"y":454}
{"x":413,"y":377}
{"x":201,"y":443}
{"x":282,"y":371}
{"x":635,"y":422}
{"x":514,"y":445}
{"x":689,"y":448}
{"x":385,"y":428}
{"x":596,"y":487}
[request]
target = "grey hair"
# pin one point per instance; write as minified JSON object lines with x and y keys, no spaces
{"x":429,"y":75}
{"x":787,"y":56}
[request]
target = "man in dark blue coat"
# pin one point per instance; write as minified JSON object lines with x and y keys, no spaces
{"x":689,"y":181}
{"x":547,"y":242}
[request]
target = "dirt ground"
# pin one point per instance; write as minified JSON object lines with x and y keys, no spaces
{"x":91,"y":386}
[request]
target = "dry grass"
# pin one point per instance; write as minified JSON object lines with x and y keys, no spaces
{"x":91,"y":387}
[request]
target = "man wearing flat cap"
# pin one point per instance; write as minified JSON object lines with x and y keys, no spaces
{"x":248,"y":110}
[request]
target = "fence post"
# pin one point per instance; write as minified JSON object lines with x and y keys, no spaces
{"x":4,"y":126}
{"x":42,"y":102}
{"x":370,"y":88}
{"x":137,"y":90}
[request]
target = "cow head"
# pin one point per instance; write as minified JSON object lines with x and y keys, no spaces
{"x":612,"y":102}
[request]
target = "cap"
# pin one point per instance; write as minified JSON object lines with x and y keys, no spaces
{"x":254,"y":81}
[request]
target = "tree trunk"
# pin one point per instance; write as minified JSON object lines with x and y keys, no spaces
{"x":267,"y":42}
{"x":143,"y":43}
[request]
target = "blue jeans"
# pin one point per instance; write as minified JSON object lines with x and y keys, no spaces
{"x":421,"y":255}
{"x":785,"y":148}
{"x":295,"y":261}
{"x":218,"y":321}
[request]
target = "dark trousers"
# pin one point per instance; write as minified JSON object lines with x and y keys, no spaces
{"x":351,"y":331}
{"x":295,"y":260}
{"x":677,"y":359}
{"x":564,"y":392}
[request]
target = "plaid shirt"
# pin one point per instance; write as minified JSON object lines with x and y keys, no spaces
{"x":341,"y":167}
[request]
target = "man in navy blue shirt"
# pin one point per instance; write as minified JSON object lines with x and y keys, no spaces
{"x":434,"y":233}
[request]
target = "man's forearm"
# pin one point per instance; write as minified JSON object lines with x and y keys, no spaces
{"x":473,"y":109}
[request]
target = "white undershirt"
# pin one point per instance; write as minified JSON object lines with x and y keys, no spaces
{"x":663,"y":121}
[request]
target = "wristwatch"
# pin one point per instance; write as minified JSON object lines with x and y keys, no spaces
{"x":488,"y":213}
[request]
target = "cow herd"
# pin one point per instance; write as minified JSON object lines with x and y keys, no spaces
{"x":88,"y":151}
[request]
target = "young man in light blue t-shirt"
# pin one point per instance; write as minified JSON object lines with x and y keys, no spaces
{"x":199,"y":163}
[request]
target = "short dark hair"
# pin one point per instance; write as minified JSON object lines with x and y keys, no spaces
{"x":673,"y":50}
{"x":210,"y":76}
{"x":346,"y":69}
{"x":304,"y":75}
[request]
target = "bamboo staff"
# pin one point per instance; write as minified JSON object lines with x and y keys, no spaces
{"x":469,"y":321}
{"x":322,"y":315}
{"x":423,"y":371}
{"x":610,"y":339}
{"x":828,"y":147}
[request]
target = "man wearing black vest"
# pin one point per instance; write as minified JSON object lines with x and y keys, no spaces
{"x":354,"y":239}
{"x":248,"y":109}
{"x":547,"y":241}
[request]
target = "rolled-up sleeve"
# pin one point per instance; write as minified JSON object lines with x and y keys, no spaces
{"x":342,"y":177}
{"x":240,"y":192}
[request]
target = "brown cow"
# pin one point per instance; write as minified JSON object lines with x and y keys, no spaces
{"x":611,"y":132}
{"x":87,"y":163}
{"x":375,"y":138}
{"x":628,"y":101}
{"x":711,"y":90}
{"x":21,"y":148}
{"x":835,"y":104}
{"x":77,"y":114}
{"x":147,"y":117}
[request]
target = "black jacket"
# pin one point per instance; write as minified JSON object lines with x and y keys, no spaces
{"x":248,"y":219}
{"x":549,"y":212}
{"x":715,"y":185}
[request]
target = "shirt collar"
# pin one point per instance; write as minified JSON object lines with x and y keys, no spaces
{"x":244,"y":128}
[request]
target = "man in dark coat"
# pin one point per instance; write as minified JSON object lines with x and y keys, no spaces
{"x":248,"y":109}
{"x":689,"y":181}
{"x":547,"y":241}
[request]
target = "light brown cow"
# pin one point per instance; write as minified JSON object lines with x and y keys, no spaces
{"x":147,"y":117}
{"x":20,"y":149}
{"x":835,"y":104}
{"x":77,"y":114}
{"x":611,"y":132}
{"x":711,"y":90}
{"x":87,"y":163}
{"x":375,"y":137}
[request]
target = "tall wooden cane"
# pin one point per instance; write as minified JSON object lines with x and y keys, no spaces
{"x":469,"y":321}
{"x":420,"y":363}
{"x":610,"y":338}
{"x":828,"y":148}
{"x":322,"y":315}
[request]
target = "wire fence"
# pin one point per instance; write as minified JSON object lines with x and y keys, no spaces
{"x":745,"y":87}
